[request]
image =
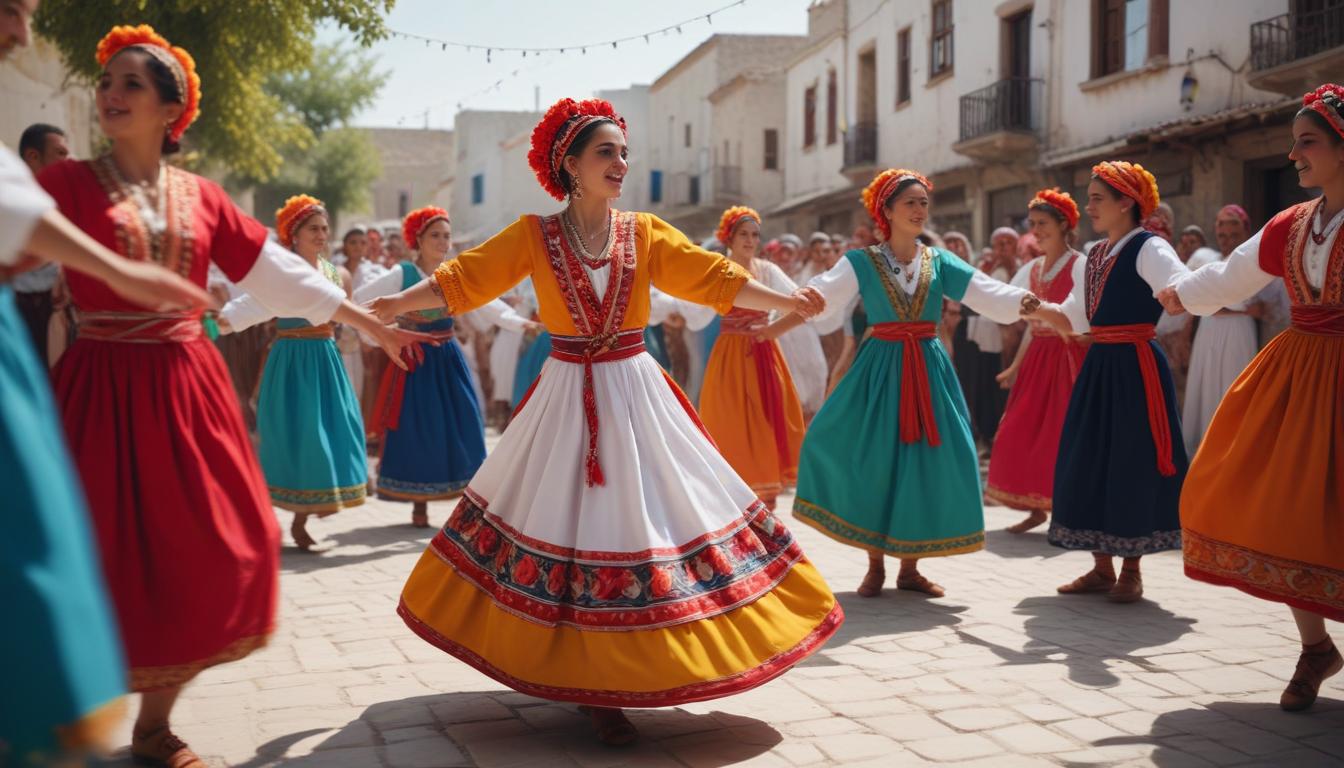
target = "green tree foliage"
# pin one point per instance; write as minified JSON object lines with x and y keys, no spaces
{"x":334,"y":162}
{"x":238,"y":46}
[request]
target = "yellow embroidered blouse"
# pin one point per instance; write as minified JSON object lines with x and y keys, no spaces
{"x":664,"y":256}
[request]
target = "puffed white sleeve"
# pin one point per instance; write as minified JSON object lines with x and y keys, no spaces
{"x":994,"y":299}
{"x":1158,"y":264}
{"x":498,"y":313}
{"x":1022,"y":279}
{"x":839,"y":285}
{"x":245,"y":311}
{"x":1225,"y":283}
{"x":385,"y":284}
{"x":287,"y":284}
{"x":22,"y":204}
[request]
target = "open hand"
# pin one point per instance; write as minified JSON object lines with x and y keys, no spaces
{"x":1007,"y":377}
{"x":1170,"y":300}
{"x":809,"y":301}
{"x":403,"y":346}
{"x":386,"y":308}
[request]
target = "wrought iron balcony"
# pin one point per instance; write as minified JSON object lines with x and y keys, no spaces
{"x":861,"y":144}
{"x":1294,"y":52}
{"x":999,"y":119}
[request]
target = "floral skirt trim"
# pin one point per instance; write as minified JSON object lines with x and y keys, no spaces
{"x":154,"y":678}
{"x":396,"y":490}
{"x":321,"y":503}
{"x":847,"y":533}
{"x":1302,"y":585}
{"x":1120,"y":546}
{"x":1028,"y":502}
{"x":701,"y":691}
{"x":656,"y":588}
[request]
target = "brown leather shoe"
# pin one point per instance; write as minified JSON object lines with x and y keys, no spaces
{"x":871,"y":586}
{"x":1128,"y":588}
{"x":1313,"y":667}
{"x":1090,"y":582}
{"x":918,"y":583}
{"x":163,"y":749}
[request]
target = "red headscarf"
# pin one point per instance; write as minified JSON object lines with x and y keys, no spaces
{"x":1132,"y":181}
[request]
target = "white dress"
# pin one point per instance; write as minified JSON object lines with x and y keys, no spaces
{"x":801,"y":346}
{"x":1223,"y":346}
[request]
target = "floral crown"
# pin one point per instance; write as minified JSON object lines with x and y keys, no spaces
{"x":294,"y":212}
{"x":418,"y":221}
{"x":1132,"y":181}
{"x":1319,"y":102}
{"x":555,"y":133}
{"x":1059,"y":201}
{"x":876,"y":194}
{"x":178,"y":61}
{"x":731,"y":218}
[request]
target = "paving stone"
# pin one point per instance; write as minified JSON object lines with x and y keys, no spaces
{"x":1032,"y":739}
{"x":961,"y":746}
{"x":979,"y":718}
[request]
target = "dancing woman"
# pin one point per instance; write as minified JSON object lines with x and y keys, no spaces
{"x":1121,"y":460}
{"x":748,"y":402}
{"x":308,"y":421}
{"x":1022,"y":465}
{"x":605,"y":528}
{"x":190,"y":556}
{"x":1263,"y":505}
{"x":889,"y":464}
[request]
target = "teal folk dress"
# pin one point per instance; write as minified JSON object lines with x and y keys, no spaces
{"x":309,"y":422}
{"x":889,"y":464}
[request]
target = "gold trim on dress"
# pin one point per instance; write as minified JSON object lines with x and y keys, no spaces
{"x":155,"y":678}
{"x":957,"y":545}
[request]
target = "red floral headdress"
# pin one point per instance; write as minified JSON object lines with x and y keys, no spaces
{"x":176,"y":59}
{"x":731,"y":218}
{"x":418,"y":221}
{"x":555,"y":133}
{"x":1316,"y":101}
{"x":1132,"y":181}
{"x":1060,"y":201}
{"x":876,"y":194}
{"x":293,"y":213}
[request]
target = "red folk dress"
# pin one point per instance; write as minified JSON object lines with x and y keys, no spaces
{"x":1022,"y":466}
{"x":189,"y":542}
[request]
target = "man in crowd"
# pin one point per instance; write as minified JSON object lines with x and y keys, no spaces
{"x":35,"y":291}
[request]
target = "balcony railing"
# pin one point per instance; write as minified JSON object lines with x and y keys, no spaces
{"x":727,"y":180}
{"x":1295,"y":36}
{"x":861,"y":144}
{"x":1012,"y":104}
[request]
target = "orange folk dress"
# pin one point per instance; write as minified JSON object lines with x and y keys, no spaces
{"x":1263,"y":504}
{"x":605,"y":553}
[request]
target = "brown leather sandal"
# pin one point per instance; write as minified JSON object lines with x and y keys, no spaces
{"x":1128,"y":588}
{"x":1313,"y":667}
{"x":1089,"y":583}
{"x":871,"y":586}
{"x":918,"y":583}
{"x":163,"y":749}
{"x":613,"y":728}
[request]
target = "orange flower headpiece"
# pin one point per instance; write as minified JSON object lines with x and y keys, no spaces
{"x":876,"y":194}
{"x":1320,"y":100}
{"x":1059,"y":201}
{"x":418,"y":221}
{"x":178,"y":61}
{"x":293,"y":213}
{"x":1132,"y":181}
{"x":731,"y":218}
{"x":555,"y":133}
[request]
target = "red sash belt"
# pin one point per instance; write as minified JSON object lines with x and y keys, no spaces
{"x":1320,"y":320}
{"x":323,"y":331}
{"x":1139,"y":335}
{"x":916,"y":400}
{"x":392,"y":389}
{"x":605,"y":348}
{"x":140,"y":327}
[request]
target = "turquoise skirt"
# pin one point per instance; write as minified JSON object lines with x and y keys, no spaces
{"x":311,"y":431}
{"x":859,"y":484}
{"x":61,"y":657}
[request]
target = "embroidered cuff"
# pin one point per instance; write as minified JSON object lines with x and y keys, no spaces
{"x":447,"y":285}
{"x":731,"y":278}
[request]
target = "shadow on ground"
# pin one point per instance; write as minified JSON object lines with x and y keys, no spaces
{"x":1245,"y":733}
{"x":891,"y":613}
{"x":498,"y":728}
{"x":355,"y":546}
{"x":1054,"y":637}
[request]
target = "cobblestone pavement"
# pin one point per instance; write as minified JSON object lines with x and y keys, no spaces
{"x":1001,"y":672}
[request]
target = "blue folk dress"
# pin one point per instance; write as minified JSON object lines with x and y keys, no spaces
{"x":1110,"y":494}
{"x":434,"y":435}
